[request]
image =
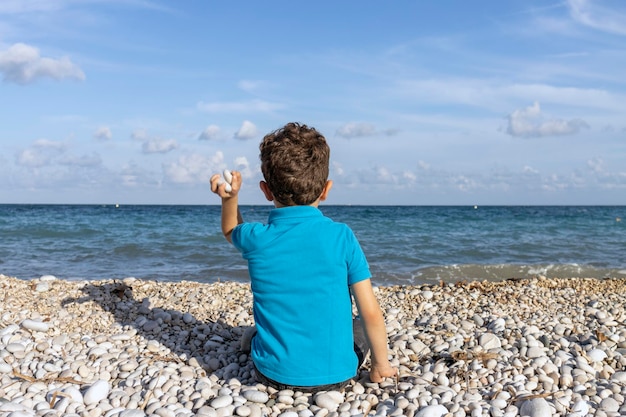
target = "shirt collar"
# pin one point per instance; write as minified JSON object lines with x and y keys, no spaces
{"x":293,"y":212}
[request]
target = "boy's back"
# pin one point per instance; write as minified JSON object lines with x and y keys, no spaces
{"x":301,"y":266}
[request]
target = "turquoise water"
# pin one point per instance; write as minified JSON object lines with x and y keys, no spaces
{"x":404,"y":245}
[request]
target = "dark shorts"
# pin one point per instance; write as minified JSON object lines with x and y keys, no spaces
{"x":361,"y":349}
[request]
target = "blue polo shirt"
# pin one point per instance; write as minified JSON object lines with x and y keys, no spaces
{"x":301,"y":265}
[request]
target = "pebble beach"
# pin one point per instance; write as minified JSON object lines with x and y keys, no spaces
{"x":526,"y":347}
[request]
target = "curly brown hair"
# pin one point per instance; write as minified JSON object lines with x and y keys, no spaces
{"x":295,"y":164}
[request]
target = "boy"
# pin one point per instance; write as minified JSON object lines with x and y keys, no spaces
{"x":303,"y":269}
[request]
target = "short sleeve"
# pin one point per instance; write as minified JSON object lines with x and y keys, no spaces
{"x":358,"y":268}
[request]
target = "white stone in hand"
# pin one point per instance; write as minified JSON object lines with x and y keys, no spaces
{"x":228,"y":176}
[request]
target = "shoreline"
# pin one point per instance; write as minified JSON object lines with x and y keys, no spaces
{"x":132,"y":347}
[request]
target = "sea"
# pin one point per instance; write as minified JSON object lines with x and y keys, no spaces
{"x":404,"y":245}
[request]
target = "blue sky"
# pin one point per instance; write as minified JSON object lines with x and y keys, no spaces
{"x":447,"y":102}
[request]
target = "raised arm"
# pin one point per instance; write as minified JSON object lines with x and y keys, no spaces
{"x":231,"y":215}
{"x":375,"y":330}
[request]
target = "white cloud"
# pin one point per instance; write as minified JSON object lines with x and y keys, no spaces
{"x":83,"y":161}
{"x":409,"y":177}
{"x":390,"y":132}
{"x":529,"y":122}
{"x":529,"y":170}
{"x":38,"y":6}
{"x":32,"y":158}
{"x":139,"y":134}
{"x":465,"y":183}
{"x":22,"y":64}
{"x":337,"y":169}
{"x":152,"y":144}
{"x":241,"y":162}
{"x":194,"y":169}
{"x":381,"y":179}
{"x":41,"y":153}
{"x":385,"y":176}
{"x":250,"y":86}
{"x":103,"y":133}
{"x":242,"y":165}
{"x":595,"y":15}
{"x":239,"y":106}
{"x":135,"y":176}
{"x":210,"y":133}
{"x":363,"y":129}
{"x":596,"y":165}
{"x":18,"y":6}
{"x":247,"y":131}
{"x":354,"y":130}
{"x":50,"y":144}
{"x":492,"y":95}
{"x":46,"y":153}
{"x":159,"y":145}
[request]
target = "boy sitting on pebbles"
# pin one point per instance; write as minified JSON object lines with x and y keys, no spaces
{"x":303,"y":269}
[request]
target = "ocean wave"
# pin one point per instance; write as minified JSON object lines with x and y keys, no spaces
{"x":495,"y":272}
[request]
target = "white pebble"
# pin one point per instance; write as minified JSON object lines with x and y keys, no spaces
{"x":609,"y":405}
{"x":420,"y":348}
{"x":222,"y":401}
{"x":498,"y":325}
{"x":228,"y":176}
{"x":499,"y":403}
{"x":15,"y":347}
{"x":412,"y":394}
{"x":164,"y":412}
{"x":597,"y":355}
{"x":619,"y":377}
{"x":21,"y":414}
{"x":580,"y":409}
{"x":534,"y":352}
{"x":11,"y":406}
{"x":489,"y":341}
{"x":10,"y":329}
{"x":96,"y":392}
{"x":537,"y":407}
{"x":132,"y":413}
{"x":114,"y":412}
{"x":327,"y":401}
{"x":47,"y":278}
{"x":432,"y":411}
{"x":243,"y":411}
{"x":74,"y":393}
{"x":153,"y":346}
